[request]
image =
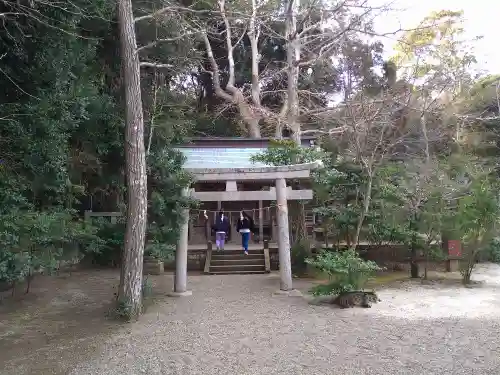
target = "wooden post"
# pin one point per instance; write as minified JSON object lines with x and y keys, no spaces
{"x":190,"y":228}
{"x":261,"y":223}
{"x":208,"y":257}
{"x":313,"y":234}
{"x":267,"y":259}
{"x":208,"y":230}
{"x":283,"y":236}
{"x":275,"y":225}
{"x":272,"y":223}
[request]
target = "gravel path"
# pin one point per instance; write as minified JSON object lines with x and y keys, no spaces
{"x":234,"y":325}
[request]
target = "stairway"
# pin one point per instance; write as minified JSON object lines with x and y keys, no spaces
{"x":234,"y":262}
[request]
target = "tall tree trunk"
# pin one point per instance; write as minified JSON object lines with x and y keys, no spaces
{"x":293,"y":58}
{"x":130,"y":289}
{"x":414,"y":268}
{"x":298,"y":226}
{"x":366,"y":208}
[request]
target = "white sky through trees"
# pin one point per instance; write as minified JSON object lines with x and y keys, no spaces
{"x":482,"y":19}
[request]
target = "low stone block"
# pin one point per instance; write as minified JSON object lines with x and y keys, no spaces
{"x":187,"y":293}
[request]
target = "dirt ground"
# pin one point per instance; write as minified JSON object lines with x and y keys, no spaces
{"x":62,"y":327}
{"x":57,"y":323}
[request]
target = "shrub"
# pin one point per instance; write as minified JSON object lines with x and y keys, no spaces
{"x":476,"y":217}
{"x":111,"y":240}
{"x":299,"y":255}
{"x":346,"y":270}
{"x":332,"y":288}
{"x":162,"y":252}
{"x":33,"y":242}
{"x":492,"y":251}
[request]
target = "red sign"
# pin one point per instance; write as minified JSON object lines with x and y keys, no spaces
{"x":454,"y":248}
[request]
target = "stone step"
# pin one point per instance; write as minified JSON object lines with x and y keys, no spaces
{"x":237,"y":272}
{"x":236,"y":252}
{"x":238,"y":262}
{"x":216,"y":256}
{"x":238,"y":268}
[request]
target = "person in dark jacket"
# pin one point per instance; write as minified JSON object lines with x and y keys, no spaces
{"x":222,"y":229}
{"x":245,"y":227}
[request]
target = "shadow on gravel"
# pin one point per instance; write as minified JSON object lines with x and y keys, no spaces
{"x":60,"y":322}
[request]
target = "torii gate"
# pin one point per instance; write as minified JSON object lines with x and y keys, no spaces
{"x":278,"y":174}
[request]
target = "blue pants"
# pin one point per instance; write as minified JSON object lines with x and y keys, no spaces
{"x":245,"y":238}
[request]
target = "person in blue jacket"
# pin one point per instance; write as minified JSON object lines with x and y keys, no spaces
{"x":245,"y":227}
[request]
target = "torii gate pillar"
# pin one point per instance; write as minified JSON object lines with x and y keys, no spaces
{"x":283,"y":236}
{"x":181,"y":255}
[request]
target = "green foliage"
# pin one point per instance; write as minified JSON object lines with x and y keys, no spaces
{"x":477,"y":212}
{"x":412,"y":207}
{"x":110,"y":239}
{"x":437,"y":50}
{"x":492,"y":251}
{"x":339,"y":194}
{"x":62,"y":140}
{"x":58,"y":126}
{"x":287,"y":152}
{"x":331,"y":288}
{"x":337,"y":185}
{"x":166,"y":181}
{"x":32,"y":242}
{"x":476,"y":219}
{"x":299,"y":253}
{"x":347,"y":270}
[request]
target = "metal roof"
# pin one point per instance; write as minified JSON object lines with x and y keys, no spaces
{"x":219,"y":157}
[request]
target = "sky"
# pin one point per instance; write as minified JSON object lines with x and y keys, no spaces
{"x":481,"y":20}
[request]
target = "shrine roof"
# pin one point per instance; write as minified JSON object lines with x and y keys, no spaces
{"x":225,"y":153}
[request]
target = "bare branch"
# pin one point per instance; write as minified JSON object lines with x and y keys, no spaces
{"x":165,"y":40}
{"x":145,"y":64}
{"x":253,"y":35}
{"x":215,"y":70}
{"x":230,"y":48}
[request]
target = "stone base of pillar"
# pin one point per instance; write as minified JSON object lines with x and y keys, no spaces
{"x":187,"y":293}
{"x":289,"y":293}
